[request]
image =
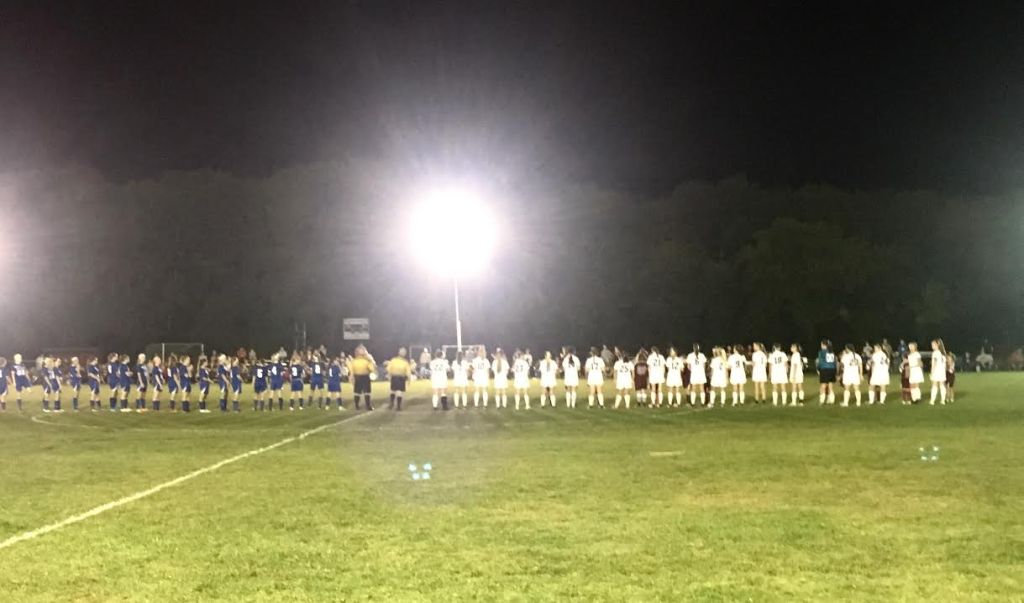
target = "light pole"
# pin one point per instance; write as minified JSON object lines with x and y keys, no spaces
{"x":456,"y":234}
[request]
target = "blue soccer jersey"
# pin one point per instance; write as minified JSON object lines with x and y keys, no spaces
{"x":204,"y":379}
{"x":21,"y":380}
{"x":94,"y":377}
{"x":222,"y":376}
{"x":316,"y":374}
{"x":334,"y":378}
{"x":74,"y":377}
{"x":236,"y":379}
{"x":184,"y":380}
{"x":276,"y":373}
{"x":123,"y":375}
{"x":259,"y":377}
{"x":141,"y":376}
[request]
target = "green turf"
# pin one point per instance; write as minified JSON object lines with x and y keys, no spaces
{"x":752,"y":503}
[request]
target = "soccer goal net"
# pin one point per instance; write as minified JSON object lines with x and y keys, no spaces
{"x":468,"y":350}
{"x":191,"y":349}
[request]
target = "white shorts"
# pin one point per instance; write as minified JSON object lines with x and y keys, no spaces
{"x":939,"y":377}
{"x":698,"y":378}
{"x":623,"y":383}
{"x":657,"y":378}
{"x":460,"y":382}
{"x":595,"y":379}
{"x":522,"y":382}
{"x":916,"y":376}
{"x":851,"y":378}
{"x":674,"y":380}
{"x":548,"y":381}
{"x":481,"y":381}
{"x":571,"y":380}
{"x":879,"y":378}
{"x":719,"y":380}
{"x":759,"y":376}
{"x":779,"y":378}
{"x":796,"y":377}
{"x":738,"y":377}
{"x":501,"y":382}
{"x":439,"y":381}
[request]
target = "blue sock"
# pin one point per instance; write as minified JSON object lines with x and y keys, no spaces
{"x":74,"y":403}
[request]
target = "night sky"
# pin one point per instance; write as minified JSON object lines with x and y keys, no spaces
{"x":636,"y":95}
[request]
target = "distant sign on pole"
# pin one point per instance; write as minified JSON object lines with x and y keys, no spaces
{"x":356,"y":329}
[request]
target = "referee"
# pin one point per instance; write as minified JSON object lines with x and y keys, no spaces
{"x":359,"y":368}
{"x":399,"y":369}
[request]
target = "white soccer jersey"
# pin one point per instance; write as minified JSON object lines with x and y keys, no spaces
{"x":595,"y":371}
{"x":796,"y":368}
{"x":521,"y":372}
{"x":500,"y":368}
{"x":916,"y":370}
{"x":938,"y":372}
{"x":719,"y":367}
{"x":674,"y":371}
{"x":481,"y":372}
{"x":460,"y":373}
{"x":879,"y":369}
{"x":779,"y":363}
{"x":698,"y":364}
{"x":851,"y":368}
{"x":737,"y":369}
{"x":759,"y":372}
{"x":656,"y":369}
{"x":623,"y":374}
{"x":548,"y":373}
{"x":439,"y":373}
{"x":571,"y":370}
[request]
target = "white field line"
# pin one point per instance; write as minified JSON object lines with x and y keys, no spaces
{"x":13,"y":540}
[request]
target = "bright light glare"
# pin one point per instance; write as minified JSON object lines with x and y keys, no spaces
{"x":453,"y":231}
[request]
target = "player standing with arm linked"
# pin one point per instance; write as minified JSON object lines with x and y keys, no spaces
{"x":796,"y":374}
{"x":759,"y":373}
{"x":481,"y":376}
{"x":333,"y":384}
{"x":674,"y":366}
{"x":697,"y":362}
{"x":521,"y":379}
{"x":500,"y":367}
{"x":879,"y":376}
{"x":938,"y":371}
{"x":853,"y":370}
{"x":656,"y":376}
{"x":779,"y":364}
{"x":570,"y":376}
{"x":623,"y":370}
{"x":916,"y":366}
{"x":439,"y":368}
{"x":548,"y":379}
{"x":719,"y":374}
{"x":595,"y":378}
{"x":460,"y":379}
{"x":738,"y":375}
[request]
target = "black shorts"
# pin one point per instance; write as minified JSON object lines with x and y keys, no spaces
{"x":398,"y":384}
{"x":827,"y":375}
{"x":950,"y":379}
{"x":361,"y":384}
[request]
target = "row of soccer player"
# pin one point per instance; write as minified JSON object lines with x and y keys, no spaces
{"x":646,"y":374}
{"x":652,"y":377}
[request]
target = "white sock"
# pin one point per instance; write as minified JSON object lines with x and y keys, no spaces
{"x":693,"y":397}
{"x":734,"y":397}
{"x":935,"y":392}
{"x":712,"y":397}
{"x":856,"y":396}
{"x":942,"y":389}
{"x":743,"y":397}
{"x":831,"y":397}
{"x":476,"y":398}
{"x":618,"y":400}
{"x":518,"y":398}
{"x":627,"y":400}
{"x":881,"y":397}
{"x":775,"y":398}
{"x":435,"y":400}
{"x":784,"y":396}
{"x":846,"y":397}
{"x":600,"y":400}
{"x":801,"y":395}
{"x":871,"y":396}
{"x":526,"y":399}
{"x":485,"y":399}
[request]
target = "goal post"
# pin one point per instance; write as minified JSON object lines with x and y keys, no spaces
{"x":164,"y":349}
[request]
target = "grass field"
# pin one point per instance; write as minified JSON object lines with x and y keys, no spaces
{"x":752,"y":503}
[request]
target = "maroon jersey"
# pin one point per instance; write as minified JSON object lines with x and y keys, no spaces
{"x":640,"y":375}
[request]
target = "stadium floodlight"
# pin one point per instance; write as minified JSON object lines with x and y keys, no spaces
{"x":454,"y":233}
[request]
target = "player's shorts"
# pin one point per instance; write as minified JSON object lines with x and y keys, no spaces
{"x":624,"y":382}
{"x":259,"y":386}
{"x":204,"y":388}
{"x":916,"y":376}
{"x":460,"y":382}
{"x":657,"y":378}
{"x":595,"y":379}
{"x":674,"y":379}
{"x":21,"y":383}
{"x":3,"y":386}
{"x":571,"y":380}
{"x":640,"y":382}
{"x":481,"y":381}
{"x":398,"y":383}
{"x":698,"y":378}
{"x":827,"y":375}
{"x":124,"y":384}
{"x":316,"y":383}
{"x":439,"y":381}
{"x":780,"y":377}
{"x":334,"y":386}
{"x":141,"y":388}
{"x":94,"y":386}
{"x":276,"y":385}
{"x":851,"y":378}
{"x":738,"y":377}
{"x":879,"y":378}
{"x":297,"y":385}
{"x":796,"y":377}
{"x":521,"y":382}
{"x":157,"y":387}
{"x":361,"y":384}
{"x":54,"y":386}
{"x":938,"y":377}
{"x":236,"y":387}
{"x":172,"y":386}
{"x":186,"y":387}
{"x":719,"y":380}
{"x":501,"y":382}
{"x":548,"y":381}
{"x":759,"y":375}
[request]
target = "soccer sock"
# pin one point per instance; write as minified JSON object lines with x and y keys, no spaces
{"x":881,"y":397}
{"x":74,"y":403}
{"x":519,"y":398}
{"x":693,"y":397}
{"x":801,"y":392}
{"x":600,"y":400}
{"x":476,"y":399}
{"x":369,"y":403}
{"x":56,"y":404}
{"x":156,"y":404}
{"x":590,"y":400}
{"x":234,"y":406}
{"x":223,"y":404}
{"x":618,"y":400}
{"x":627,"y":400}
{"x":398,"y":402}
{"x":3,"y":406}
{"x":775,"y":398}
{"x":185,"y":406}
{"x":391,"y":400}
{"x":113,"y":403}
{"x":173,"y":403}
{"x":302,"y":403}
{"x":444,"y":401}
{"x":526,"y":400}
{"x":832,"y":398}
{"x":485,"y":399}
{"x":846,"y":397}
{"x":280,"y":403}
{"x":202,"y":405}
{"x":434,"y":400}
{"x":743,"y":397}
{"x":942,"y":390}
{"x":856,"y":396}
{"x":784,"y":398}
{"x":935,"y":392}
{"x":19,"y":404}
{"x":871,"y":396}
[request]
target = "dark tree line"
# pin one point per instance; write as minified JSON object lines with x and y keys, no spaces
{"x":229,"y":261}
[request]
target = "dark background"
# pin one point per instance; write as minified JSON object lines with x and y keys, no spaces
{"x":662,"y":171}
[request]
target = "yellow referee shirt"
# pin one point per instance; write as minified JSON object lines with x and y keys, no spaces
{"x":360,"y":366}
{"x":399,"y":367}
